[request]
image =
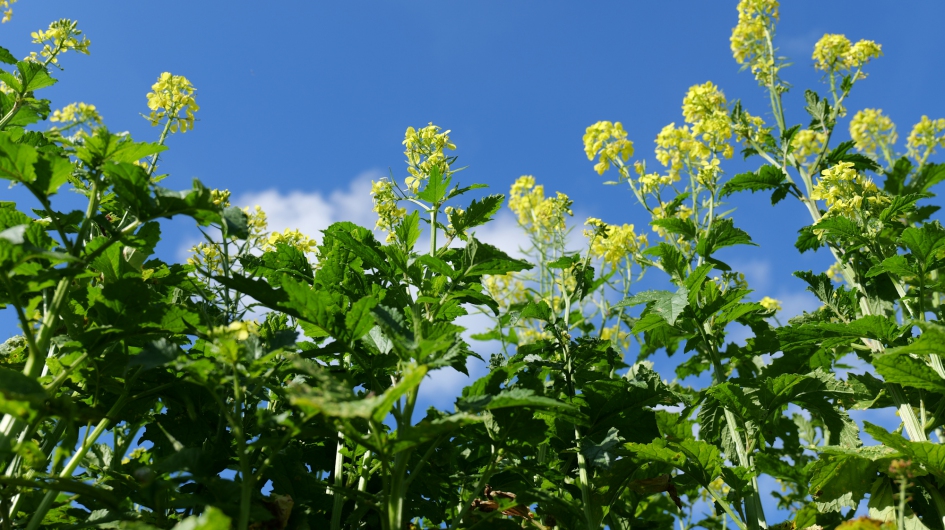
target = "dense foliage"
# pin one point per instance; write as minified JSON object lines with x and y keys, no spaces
{"x":272,"y":381}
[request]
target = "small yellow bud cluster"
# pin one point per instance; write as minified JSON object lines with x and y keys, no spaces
{"x":78,"y":113}
{"x":612,"y":243}
{"x":835,"y":53}
{"x":925,"y":137}
{"x":240,"y":330}
{"x":807,"y":142}
{"x":171,"y":96}
{"x":207,"y":256}
{"x":541,"y":216}
{"x":847,"y":193}
{"x":609,"y":140}
{"x":770,"y":304}
{"x":257,"y":221}
{"x":62,"y":36}
{"x":425,"y":150}
{"x":293,"y":238}
{"x":221,"y":198}
{"x":651,"y":182}
{"x":7,"y":10}
{"x":750,"y":128}
{"x":385,"y":206}
{"x":750,"y":37}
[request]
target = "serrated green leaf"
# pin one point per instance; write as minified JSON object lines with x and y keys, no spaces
{"x":766,"y":178}
{"x":722,"y":234}
{"x":34,"y":76}
{"x":907,"y":370}
{"x":6,"y":56}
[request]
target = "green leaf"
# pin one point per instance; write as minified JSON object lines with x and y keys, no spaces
{"x":34,"y":76}
{"x":515,"y":397}
{"x":907,"y":370}
{"x":657,"y":451}
{"x":360,"y":318}
{"x":17,"y":160}
{"x":478,"y":213}
{"x":931,"y":341}
{"x":601,"y":454}
{"x":210,"y":519}
{"x":722,"y":234}
{"x":408,"y":231}
{"x":19,"y":394}
{"x":156,"y":353}
{"x":6,"y":56}
{"x":932,"y":455}
{"x":436,"y":187}
{"x":235,"y":222}
{"x":843,"y":478}
{"x":924,"y":242}
{"x":842,"y":153}
{"x":666,"y":304}
{"x":675,"y":225}
{"x":767,"y":177}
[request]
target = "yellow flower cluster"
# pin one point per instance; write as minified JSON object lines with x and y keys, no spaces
{"x":424,"y":151}
{"x":385,"y":206}
{"x":62,"y":36}
{"x":77,"y":114}
{"x":240,"y":330}
{"x":807,"y":142}
{"x":834,"y":53}
{"x":706,"y":109}
{"x":257,"y":222}
{"x":675,"y":146}
{"x":7,"y":10}
{"x":612,"y":243}
{"x":540,"y":215}
{"x":926,"y":136}
{"x":871,"y":130}
{"x":221,"y":198}
{"x":651,"y":182}
{"x":847,"y":193}
{"x":609,"y":140}
{"x":750,"y":128}
{"x":171,"y":96}
{"x":506,"y":289}
{"x":293,"y":238}
{"x":207,"y":256}
{"x":750,"y":36}
{"x":615,"y":335}
{"x":770,"y":304}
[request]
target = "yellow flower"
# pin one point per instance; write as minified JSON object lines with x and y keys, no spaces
{"x":77,"y":114}
{"x":542,"y":216}
{"x":7,"y":11}
{"x":848,"y":194}
{"x":62,"y":36}
{"x":609,"y":140}
{"x":872,"y":131}
{"x":506,"y":289}
{"x":706,"y":109}
{"x":750,"y":36}
{"x":770,"y":304}
{"x":835,"y":53}
{"x":221,"y":197}
{"x":620,"y":338}
{"x":925,"y":137}
{"x":385,"y":206}
{"x":612,"y":243}
{"x":807,"y":142}
{"x":171,"y":96}
{"x":425,"y":150}
{"x":293,"y":238}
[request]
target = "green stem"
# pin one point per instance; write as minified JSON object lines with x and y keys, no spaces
{"x":164,"y":133}
{"x":73,"y":463}
{"x":339,"y":499}
{"x":246,"y":473}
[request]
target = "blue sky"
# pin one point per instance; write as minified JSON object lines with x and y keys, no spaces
{"x":301,"y":102}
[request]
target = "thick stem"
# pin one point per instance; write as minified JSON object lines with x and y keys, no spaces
{"x":338,"y":472}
